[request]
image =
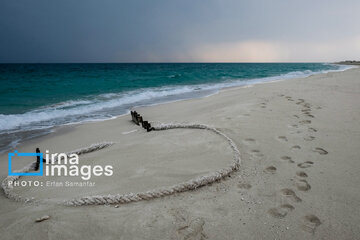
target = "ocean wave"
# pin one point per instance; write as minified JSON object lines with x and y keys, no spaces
{"x":73,"y":110}
{"x":108,"y":105}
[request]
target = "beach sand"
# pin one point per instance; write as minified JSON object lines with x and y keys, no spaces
{"x":298,"y":179}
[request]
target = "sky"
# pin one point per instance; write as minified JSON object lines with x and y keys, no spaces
{"x":43,"y":31}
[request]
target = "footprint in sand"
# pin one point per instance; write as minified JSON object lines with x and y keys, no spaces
{"x":301,"y":174}
{"x":243,"y":185}
{"x":309,"y":138}
{"x":296,"y":116}
{"x":306,"y":164}
{"x":290,"y":194}
{"x":249,"y":141}
{"x":310,"y":223}
{"x":309,"y":115}
{"x":296,"y":147}
{"x":188,"y":227}
{"x":293,"y":126}
{"x":307,"y":105}
{"x":305,"y":122}
{"x":294,"y":131}
{"x":289,"y":98}
{"x":194,"y":230}
{"x":270,"y":169}
{"x":287,"y":158}
{"x":306,"y":110}
{"x":312,"y":130}
{"x":280,"y":212}
{"x":257,"y":153}
{"x":303,"y":185}
{"x":300,"y":101}
{"x":321,"y":151}
{"x":283,"y":138}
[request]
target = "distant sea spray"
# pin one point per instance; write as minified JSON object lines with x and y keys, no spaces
{"x":37,"y":97}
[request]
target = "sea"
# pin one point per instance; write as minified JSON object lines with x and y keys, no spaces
{"x":36,"y":98}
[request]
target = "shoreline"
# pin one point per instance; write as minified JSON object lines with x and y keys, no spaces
{"x":218,"y":91}
{"x":247,"y":83}
{"x":296,"y":179}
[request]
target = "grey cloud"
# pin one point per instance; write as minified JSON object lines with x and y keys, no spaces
{"x":128,"y":31}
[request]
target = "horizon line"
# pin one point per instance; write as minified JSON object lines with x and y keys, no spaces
{"x":156,"y":62}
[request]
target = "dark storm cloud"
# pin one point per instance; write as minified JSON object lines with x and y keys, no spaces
{"x":197,"y":30}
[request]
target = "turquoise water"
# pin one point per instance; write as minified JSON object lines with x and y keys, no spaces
{"x":35,"y":97}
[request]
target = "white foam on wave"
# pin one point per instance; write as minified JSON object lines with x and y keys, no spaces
{"x":80,"y":110}
{"x":81,"y":107}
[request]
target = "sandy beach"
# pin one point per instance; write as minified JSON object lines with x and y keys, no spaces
{"x":298,"y":178}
